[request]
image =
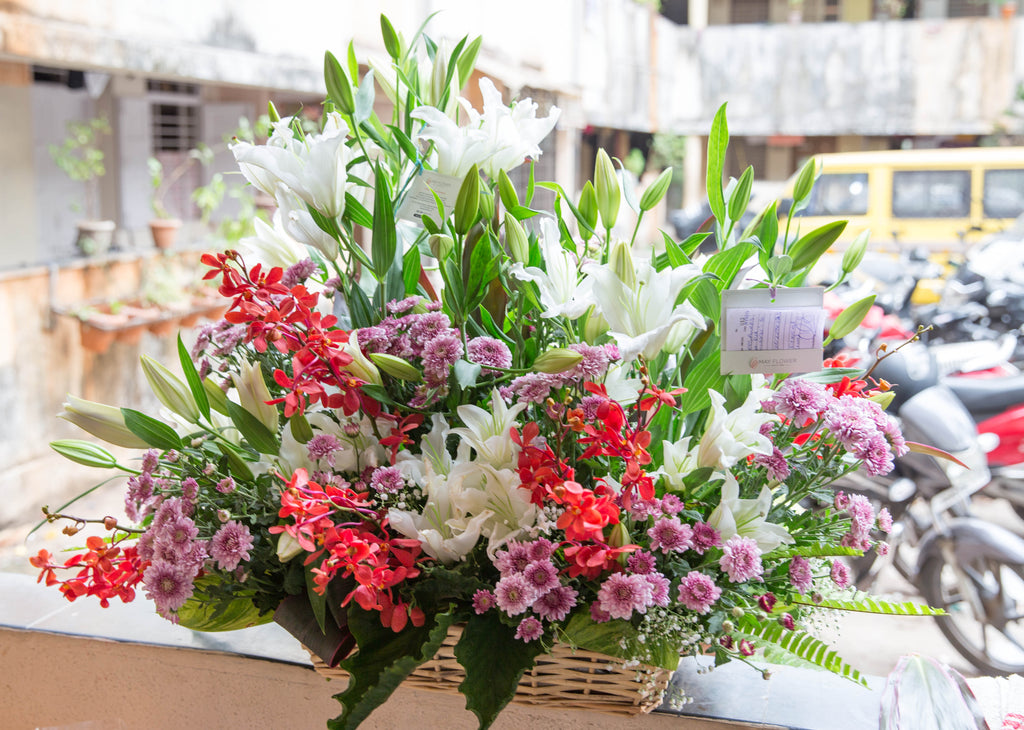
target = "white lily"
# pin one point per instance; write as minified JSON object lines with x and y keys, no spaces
{"x":731,"y":436}
{"x":619,"y":386}
{"x":515,"y":132}
{"x":272,"y":245}
{"x":487,"y":431}
{"x":253,"y":394}
{"x":562,"y":294}
{"x":746,"y":517}
{"x":315,"y":167}
{"x":360,"y":446}
{"x":457,"y":148}
{"x":641,"y":314}
{"x":481,"y":490}
{"x":361,"y":366}
{"x":677,"y":461}
{"x":299,"y":224}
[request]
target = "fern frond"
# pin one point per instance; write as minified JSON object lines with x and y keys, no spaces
{"x":821,"y":550}
{"x":806,"y":647}
{"x":870,"y":604}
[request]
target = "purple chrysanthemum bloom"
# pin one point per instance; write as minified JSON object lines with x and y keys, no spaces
{"x":137,"y":500}
{"x":589,"y":406}
{"x":489,"y":353}
{"x":842,"y":500}
{"x":539,"y":549}
{"x":622,"y":594}
{"x":425,"y":327}
{"x":671,"y":504}
{"x":669,"y":534}
{"x":387,"y":480}
{"x":862,"y":515}
{"x":705,"y":537}
{"x":534,"y":387}
{"x":168,"y":586}
{"x":402,"y":306}
{"x":556,"y":603}
{"x":877,"y":456}
{"x":483,"y":601}
{"x":145,"y":544}
{"x":775,"y":463}
{"x":767,"y":602}
{"x":513,"y":559}
{"x":741,"y":559}
{"x":891,"y":430}
{"x":849,"y":421}
{"x":598,"y":615}
{"x":514,"y":594}
{"x":226,"y":485}
{"x":593,"y":365}
{"x":297,"y":273}
{"x":323,"y":446}
{"x":643,"y":509}
{"x":150,"y":461}
{"x":189,"y":489}
{"x":659,"y":588}
{"x":801,"y":400}
{"x":747,"y":647}
{"x":439,"y":354}
{"x":641,"y":562}
{"x":542,"y":575}
{"x":530,"y":629}
{"x":177,"y":536}
{"x":800,"y":573}
{"x":612,"y":351}
{"x":885,"y":520}
{"x":698,"y":591}
{"x":840,"y":574}
{"x":372,"y":339}
{"x":231,"y":545}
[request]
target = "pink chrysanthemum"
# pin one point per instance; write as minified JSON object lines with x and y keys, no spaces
{"x":530,"y":629}
{"x":775,"y":463}
{"x":840,"y":574}
{"x":800,"y":400}
{"x":231,"y":545}
{"x":659,"y":588}
{"x":641,"y":562}
{"x":150,"y":461}
{"x":189,"y":489}
{"x":489,"y":353}
{"x":534,"y":387}
{"x":542,"y":575}
{"x":298,"y":272}
{"x":598,"y":615}
{"x":705,"y":537}
{"x":593,"y":365}
{"x":439,"y":354}
{"x":556,"y":604}
{"x":842,"y":500}
{"x":483,"y":601}
{"x":168,"y":586}
{"x":226,"y":485}
{"x":589,"y":406}
{"x":621,"y":594}
{"x":877,"y":456}
{"x":800,"y":573}
{"x":669,"y":534}
{"x":884,"y":520}
{"x":698,"y":592}
{"x":425,"y":327}
{"x":539,"y":549}
{"x":513,"y":559}
{"x":401,"y":306}
{"x":643,"y":509}
{"x":323,"y":446}
{"x":849,"y":421}
{"x":514,"y":594}
{"x":387,"y":480}
{"x":741,"y":559}
{"x":672,"y":505}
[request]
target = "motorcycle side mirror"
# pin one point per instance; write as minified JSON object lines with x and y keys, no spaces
{"x":902,"y":490}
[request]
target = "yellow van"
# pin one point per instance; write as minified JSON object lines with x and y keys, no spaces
{"x":938,"y":199}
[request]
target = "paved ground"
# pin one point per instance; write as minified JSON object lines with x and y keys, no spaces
{"x":871,"y":643}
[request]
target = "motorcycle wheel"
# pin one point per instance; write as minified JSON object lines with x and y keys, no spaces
{"x":984,"y":603}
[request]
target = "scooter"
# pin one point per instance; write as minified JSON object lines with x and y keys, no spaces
{"x":970,"y":567}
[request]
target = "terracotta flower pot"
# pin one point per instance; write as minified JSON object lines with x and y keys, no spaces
{"x":95,"y":339}
{"x":94,"y":237}
{"x":165,"y":232}
{"x":1008,"y":10}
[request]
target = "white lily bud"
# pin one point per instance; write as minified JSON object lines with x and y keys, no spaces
{"x":102,"y":421}
{"x":253,"y":394}
{"x":360,"y":366}
{"x":622,"y":264}
{"x":169,"y":390}
{"x":287,"y":547}
{"x":557,"y":360}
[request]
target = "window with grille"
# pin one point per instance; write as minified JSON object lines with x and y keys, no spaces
{"x":175,"y":127}
{"x":749,"y":11}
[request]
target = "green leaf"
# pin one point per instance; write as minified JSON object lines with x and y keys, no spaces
{"x":778,"y":267}
{"x":693,"y":242}
{"x":833,"y":375}
{"x":384,"y":240}
{"x":236,"y":464}
{"x":383,"y":661}
{"x":199,"y":614}
{"x":494,"y":661}
{"x":391,"y":43}
{"x":467,"y":60}
{"x":155,"y":433}
{"x":192,"y":378}
{"x":85,"y":453}
{"x":467,"y":204}
{"x":850,"y":318}
{"x":359,"y":306}
{"x":870,"y":604}
{"x":252,"y":429}
{"x":768,"y":231}
{"x":358,"y":214}
{"x":339,"y":88}
{"x":804,"y":646}
{"x":618,"y":638}
{"x":317,"y":601}
{"x":676,"y":256}
{"x":718,"y":141}
{"x":364,"y":99}
{"x":411,"y":270}
{"x":587,"y":219}
{"x":704,"y":376}
{"x":404,"y":142}
{"x":809,"y":248}
{"x":216,"y":397}
{"x":819,"y":550}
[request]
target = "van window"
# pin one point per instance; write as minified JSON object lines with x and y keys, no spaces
{"x":839,"y":194}
{"x":931,"y":194}
{"x":1004,"y":193}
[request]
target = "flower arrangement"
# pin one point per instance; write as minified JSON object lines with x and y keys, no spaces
{"x":488,"y":416}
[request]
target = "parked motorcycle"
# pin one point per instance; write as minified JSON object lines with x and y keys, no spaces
{"x":970,"y":567}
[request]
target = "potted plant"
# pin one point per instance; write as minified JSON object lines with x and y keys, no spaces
{"x":165,"y":226}
{"x":80,"y":157}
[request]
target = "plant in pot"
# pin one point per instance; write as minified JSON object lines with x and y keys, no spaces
{"x":80,"y":157}
{"x":164,"y":226}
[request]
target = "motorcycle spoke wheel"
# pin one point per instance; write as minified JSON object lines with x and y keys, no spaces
{"x":984,"y":602}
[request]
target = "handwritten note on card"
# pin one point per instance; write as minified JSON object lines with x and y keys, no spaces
{"x":419,"y":201}
{"x":762,"y":334}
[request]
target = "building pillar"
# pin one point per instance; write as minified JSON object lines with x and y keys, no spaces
{"x":17,"y":184}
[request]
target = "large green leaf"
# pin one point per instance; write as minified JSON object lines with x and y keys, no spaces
{"x":155,"y":433}
{"x":610,"y":636}
{"x":802,"y":645}
{"x":809,"y":248}
{"x":870,"y":604}
{"x":383,"y":661}
{"x":704,"y":376}
{"x":253,"y":430}
{"x":494,"y":660}
{"x":384,"y":239}
{"x":718,"y":141}
{"x":199,"y":614}
{"x":192,"y":378}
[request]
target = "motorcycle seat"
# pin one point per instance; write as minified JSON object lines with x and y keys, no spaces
{"x":985,"y":397}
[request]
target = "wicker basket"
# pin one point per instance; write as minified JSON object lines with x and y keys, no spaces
{"x":575,"y":679}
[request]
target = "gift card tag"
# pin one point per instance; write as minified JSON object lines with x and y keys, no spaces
{"x":762,"y":334}
{"x":419,"y":201}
